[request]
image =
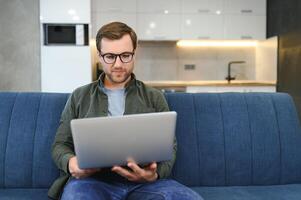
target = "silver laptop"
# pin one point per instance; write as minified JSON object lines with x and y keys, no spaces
{"x":109,"y":141}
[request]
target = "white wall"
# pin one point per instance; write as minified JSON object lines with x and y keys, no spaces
{"x":266,"y":60}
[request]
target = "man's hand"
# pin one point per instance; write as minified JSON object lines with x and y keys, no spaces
{"x":78,"y":173}
{"x":138,"y":174}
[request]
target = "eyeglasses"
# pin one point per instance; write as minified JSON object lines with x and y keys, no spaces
{"x":110,"y":58}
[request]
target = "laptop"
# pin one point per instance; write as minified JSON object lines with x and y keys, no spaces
{"x":108,"y":141}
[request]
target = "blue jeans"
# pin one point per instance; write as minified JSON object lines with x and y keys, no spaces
{"x":95,"y":189}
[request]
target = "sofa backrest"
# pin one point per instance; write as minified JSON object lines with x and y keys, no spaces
{"x":28,"y":122}
{"x":223,"y":139}
{"x":236,"y":139}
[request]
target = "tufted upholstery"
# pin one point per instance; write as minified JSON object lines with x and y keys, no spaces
{"x":28,"y":122}
{"x":236,"y":139}
{"x":248,"y":144}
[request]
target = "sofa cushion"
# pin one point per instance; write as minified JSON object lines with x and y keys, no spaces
{"x":28,"y":124}
{"x":274,"y":192}
{"x":239,"y":139}
{"x":24,"y":194}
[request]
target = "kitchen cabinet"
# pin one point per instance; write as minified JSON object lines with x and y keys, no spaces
{"x":201,"y":19}
{"x":105,"y":11}
{"x":101,"y":19}
{"x":158,"y":20}
{"x":158,"y":26}
{"x":185,"y":19}
{"x":244,"y":19}
{"x":202,"y":6}
{"x":114,"y":6}
{"x":244,"y":27}
{"x":158,"y":6}
{"x":223,"y":19}
{"x":201,"y":26}
{"x":67,"y":11}
{"x":254,"y":7}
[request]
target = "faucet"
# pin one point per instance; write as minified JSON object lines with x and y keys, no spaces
{"x":229,"y":77}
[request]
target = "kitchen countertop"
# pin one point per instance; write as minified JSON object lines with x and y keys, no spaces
{"x":209,"y":83}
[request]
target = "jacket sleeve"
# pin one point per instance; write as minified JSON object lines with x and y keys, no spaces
{"x":62,"y":147}
{"x":164,"y":168}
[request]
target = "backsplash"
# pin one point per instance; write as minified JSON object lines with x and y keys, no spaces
{"x":166,"y":61}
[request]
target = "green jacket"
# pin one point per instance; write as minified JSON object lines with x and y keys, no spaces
{"x":90,"y":101}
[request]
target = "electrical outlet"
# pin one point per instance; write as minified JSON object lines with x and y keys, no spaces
{"x":189,"y":66}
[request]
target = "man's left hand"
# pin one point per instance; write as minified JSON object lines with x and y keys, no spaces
{"x":138,"y":174}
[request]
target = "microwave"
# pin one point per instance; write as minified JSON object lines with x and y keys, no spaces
{"x":66,"y":34}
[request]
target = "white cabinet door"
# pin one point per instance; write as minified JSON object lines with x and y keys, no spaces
{"x":245,"y":27}
{"x":114,"y":6}
{"x":158,"y":6}
{"x":64,"y":68}
{"x":67,"y":11}
{"x":158,"y":26}
{"x":257,"y":7}
{"x":197,"y":26}
{"x":101,"y":19}
{"x":202,"y":6}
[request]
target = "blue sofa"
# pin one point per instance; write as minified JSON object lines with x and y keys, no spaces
{"x":244,"y":146}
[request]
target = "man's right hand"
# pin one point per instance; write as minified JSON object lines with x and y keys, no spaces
{"x":78,"y":173}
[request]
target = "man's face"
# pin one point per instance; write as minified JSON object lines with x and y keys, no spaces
{"x":118,"y":72}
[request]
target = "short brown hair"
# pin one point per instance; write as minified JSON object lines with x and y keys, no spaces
{"x":115,"y":31}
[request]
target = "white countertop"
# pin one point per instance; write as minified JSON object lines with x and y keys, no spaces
{"x":210,"y":83}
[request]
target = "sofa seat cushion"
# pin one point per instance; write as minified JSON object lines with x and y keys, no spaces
{"x":24,"y":194}
{"x":273,"y":192}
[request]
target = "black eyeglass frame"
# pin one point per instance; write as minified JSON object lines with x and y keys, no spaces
{"x":117,"y":55}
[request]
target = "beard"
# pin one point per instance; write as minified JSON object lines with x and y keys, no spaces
{"x":118,"y":78}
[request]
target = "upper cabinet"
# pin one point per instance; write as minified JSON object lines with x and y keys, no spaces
{"x":244,"y":27}
{"x":67,"y":11}
{"x":114,"y":6}
{"x":201,"y":19}
{"x":201,"y":26}
{"x":185,"y":19}
{"x":255,"y":7}
{"x":158,"y":6}
{"x":244,"y":19}
{"x":153,"y":26}
{"x":102,"y":18}
{"x":202,"y":6}
{"x":105,"y":11}
{"x":158,"y":20}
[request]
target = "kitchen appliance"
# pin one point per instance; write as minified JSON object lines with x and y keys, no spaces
{"x":66,"y":34}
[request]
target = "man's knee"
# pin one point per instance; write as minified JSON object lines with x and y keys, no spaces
{"x":166,"y":190}
{"x":73,"y":190}
{"x":82,"y":190}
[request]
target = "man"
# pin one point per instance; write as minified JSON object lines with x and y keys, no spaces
{"x":117,"y":92}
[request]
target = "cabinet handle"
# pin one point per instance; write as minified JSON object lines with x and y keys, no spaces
{"x":203,"y":10}
{"x":246,"y":11}
{"x":115,"y":9}
{"x":246,"y":37}
{"x":203,"y":37}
